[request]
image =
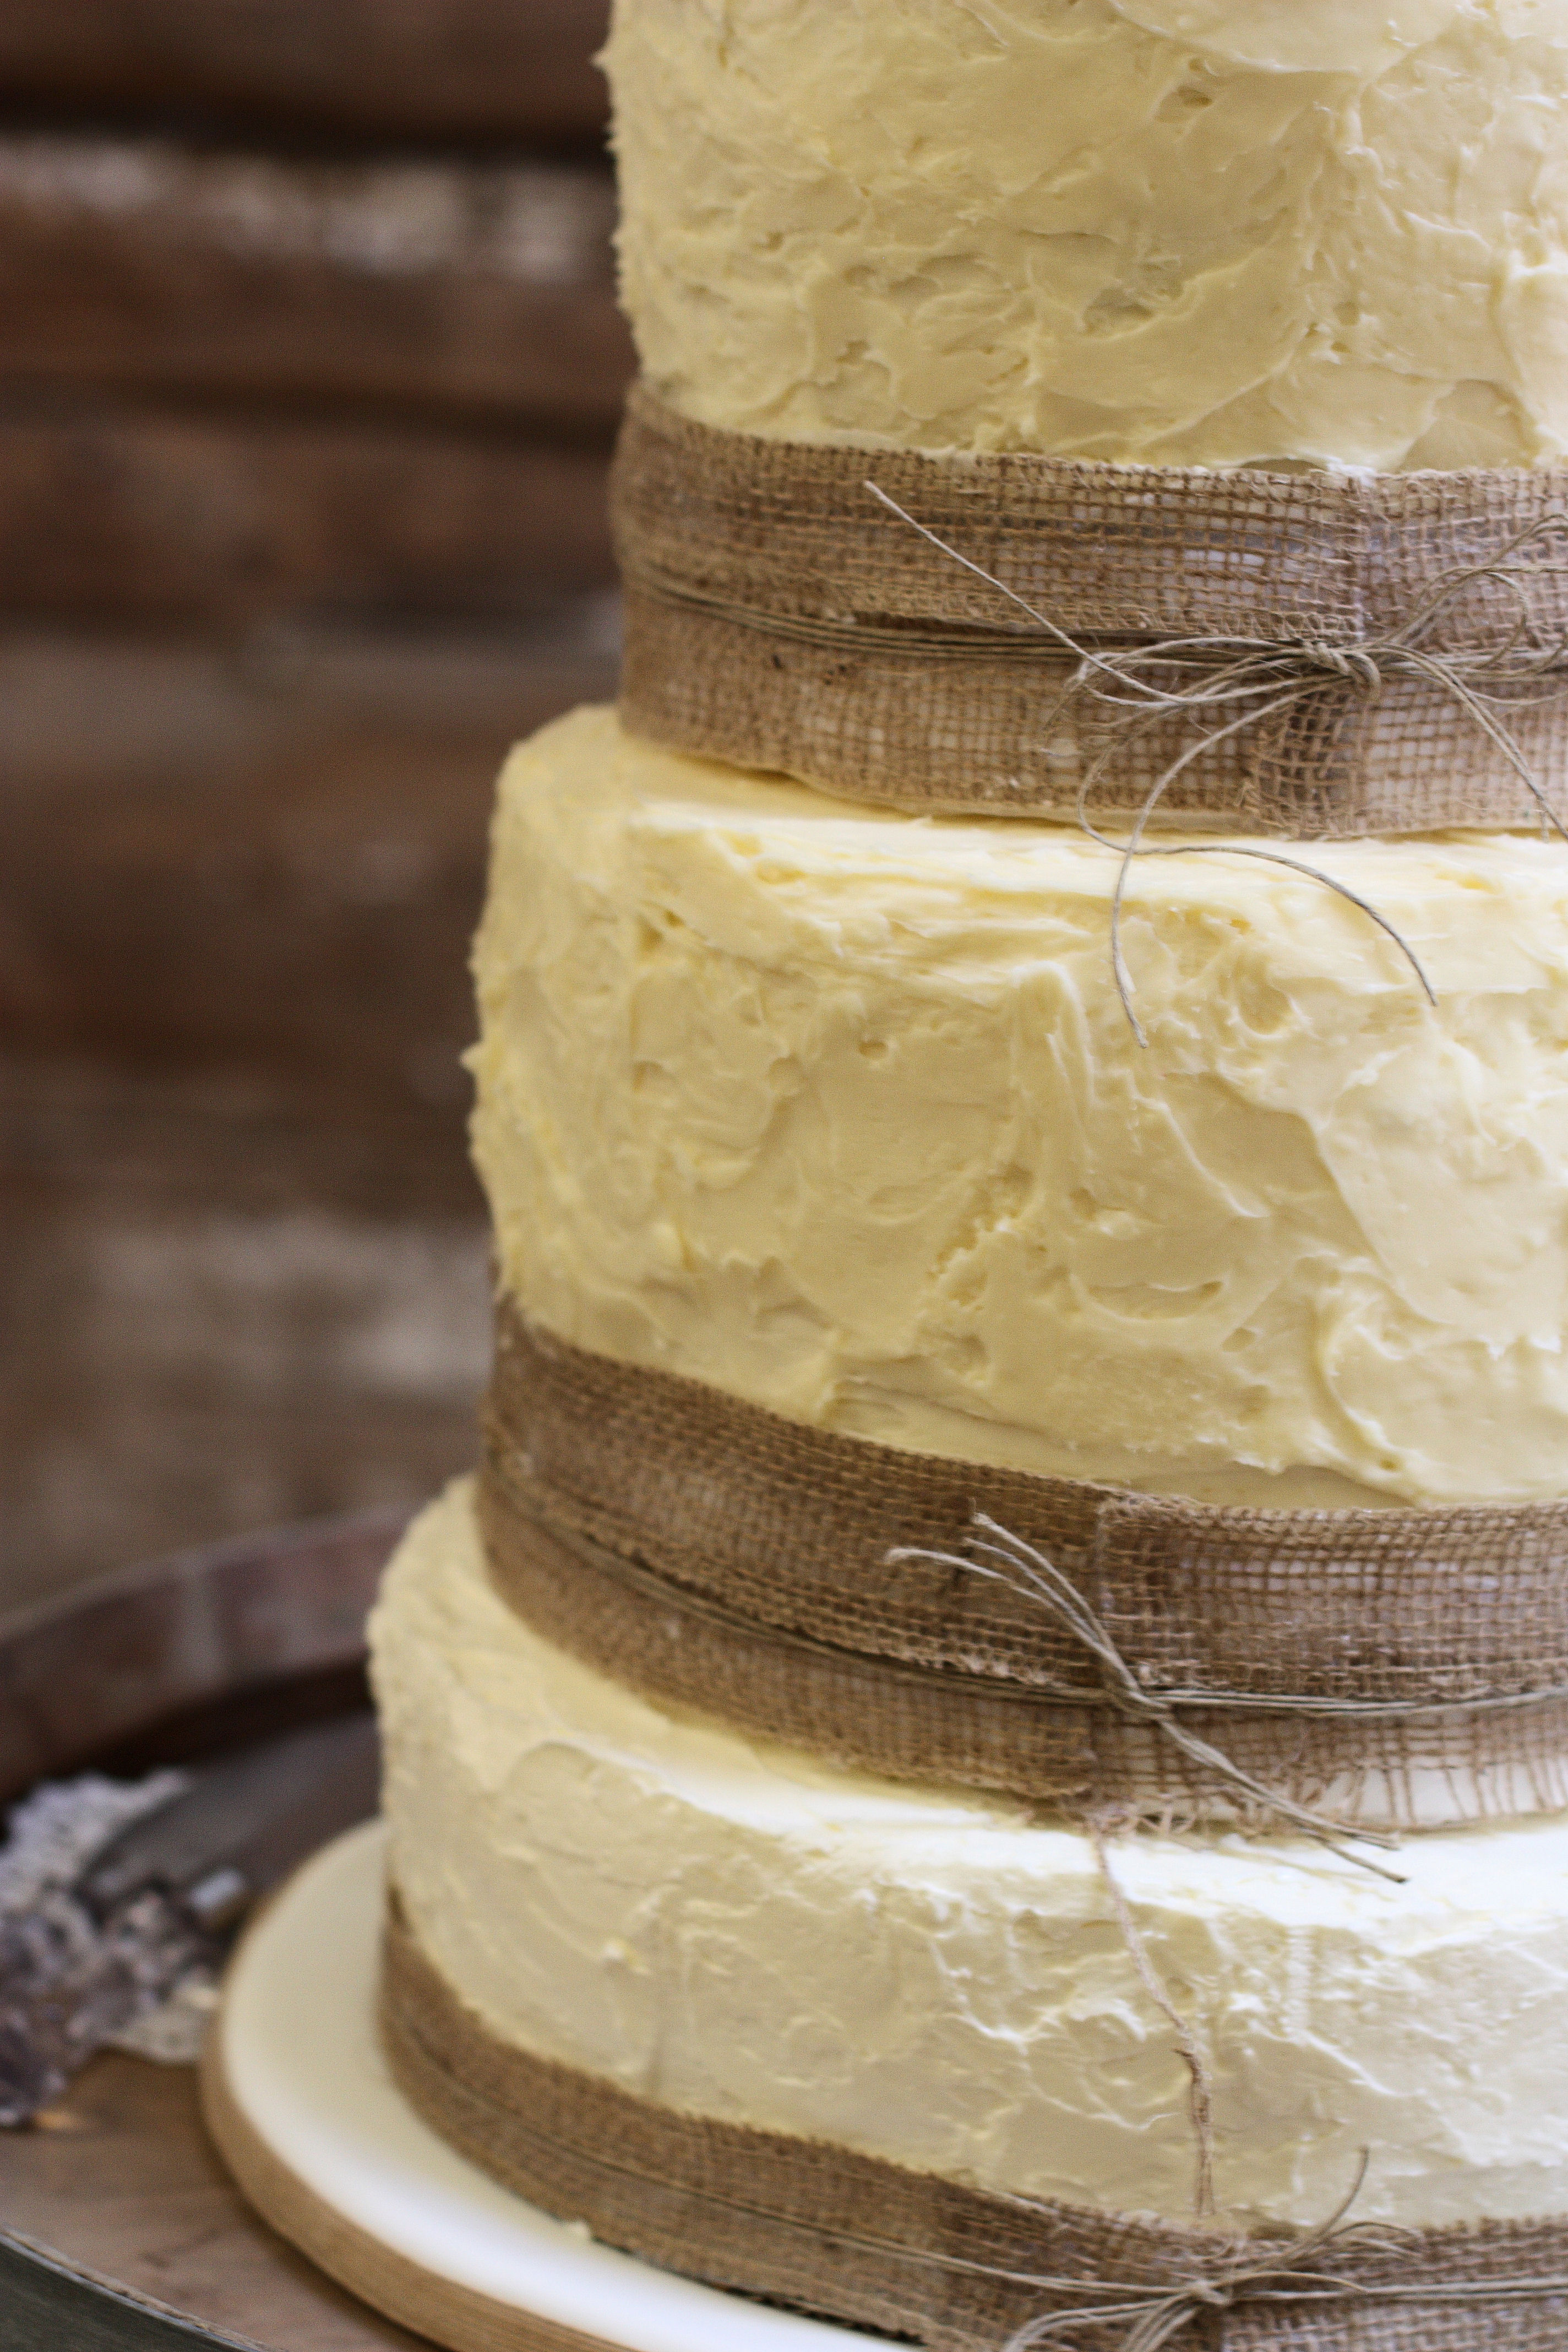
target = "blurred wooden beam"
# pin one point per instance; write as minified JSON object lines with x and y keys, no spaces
{"x":155,"y":515}
{"x":476,"y":289}
{"x":268,"y":859}
{"x":225,"y":1302}
{"x":461,"y":69}
{"x":246,"y":1271}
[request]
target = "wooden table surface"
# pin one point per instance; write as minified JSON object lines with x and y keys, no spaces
{"x":121,"y":2178}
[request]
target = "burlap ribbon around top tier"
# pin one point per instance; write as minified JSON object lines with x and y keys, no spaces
{"x":780,"y":617}
{"x":1389,"y":1667}
{"x":824,"y":2229}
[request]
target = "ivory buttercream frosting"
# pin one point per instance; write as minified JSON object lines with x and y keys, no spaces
{"x":925,"y":1975}
{"x":1187,"y":232}
{"x":839,"y":1111}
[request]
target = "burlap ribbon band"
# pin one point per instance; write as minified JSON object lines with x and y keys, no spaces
{"x":780,"y":617}
{"x":1394,"y":1666}
{"x":852,"y":2238}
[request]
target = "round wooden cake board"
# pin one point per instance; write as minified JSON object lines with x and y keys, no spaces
{"x":300,"y":2101}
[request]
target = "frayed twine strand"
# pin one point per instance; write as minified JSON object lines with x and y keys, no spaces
{"x":1200,"y":2080}
{"x":1261,"y":677}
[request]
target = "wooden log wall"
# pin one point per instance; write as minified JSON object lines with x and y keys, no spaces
{"x":309,"y":366}
{"x":475,"y":71}
{"x":235,"y":378}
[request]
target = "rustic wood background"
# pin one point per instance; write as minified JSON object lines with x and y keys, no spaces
{"x":309,"y":367}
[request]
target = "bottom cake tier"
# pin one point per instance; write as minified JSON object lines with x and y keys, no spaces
{"x":940,"y":1981}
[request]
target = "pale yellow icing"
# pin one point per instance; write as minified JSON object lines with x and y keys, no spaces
{"x":937,"y":1978}
{"x":1207,"y":232}
{"x":838,"y":1110}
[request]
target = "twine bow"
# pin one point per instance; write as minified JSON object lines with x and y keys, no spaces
{"x":1154,"y":2316}
{"x":1237,"y":683}
{"x":1003,"y":1558}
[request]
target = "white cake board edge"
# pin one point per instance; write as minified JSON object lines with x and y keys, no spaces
{"x":299,"y":2100}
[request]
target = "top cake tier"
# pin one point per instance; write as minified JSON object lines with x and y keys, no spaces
{"x":1178,"y":232}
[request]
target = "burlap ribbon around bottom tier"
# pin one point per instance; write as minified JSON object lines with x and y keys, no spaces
{"x":929,"y":2260}
{"x":1393,"y":1667}
{"x":780,"y":616}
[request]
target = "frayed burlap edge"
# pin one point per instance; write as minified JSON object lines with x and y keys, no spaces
{"x":1395,"y":1668}
{"x":850,"y":2237}
{"x":779,"y":618}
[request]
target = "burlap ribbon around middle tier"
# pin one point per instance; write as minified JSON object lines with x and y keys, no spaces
{"x":1393,"y":1667}
{"x":780,"y":616}
{"x":930,"y":2261}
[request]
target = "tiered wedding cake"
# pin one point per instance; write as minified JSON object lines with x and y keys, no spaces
{"x":836,"y":1197}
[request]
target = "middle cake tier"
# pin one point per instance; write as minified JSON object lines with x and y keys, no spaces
{"x":839,"y":1111}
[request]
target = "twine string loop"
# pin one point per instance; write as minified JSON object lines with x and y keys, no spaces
{"x":1154,"y":2316}
{"x":1421,"y":1641}
{"x":1231,"y":685}
{"x":1353,"y":664}
{"x":996,"y":1553}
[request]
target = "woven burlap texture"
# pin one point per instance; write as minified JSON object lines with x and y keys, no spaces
{"x":706,"y":1550}
{"x":825,"y":2230}
{"x":779,"y":618}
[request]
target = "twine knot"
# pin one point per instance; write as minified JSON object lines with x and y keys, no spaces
{"x":1357,"y":665}
{"x":994,"y":1552}
{"x":1153,"y":2316}
{"x":1232,"y":685}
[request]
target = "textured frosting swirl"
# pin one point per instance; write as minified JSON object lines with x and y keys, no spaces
{"x":1195,"y":232}
{"x":839,"y":1111}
